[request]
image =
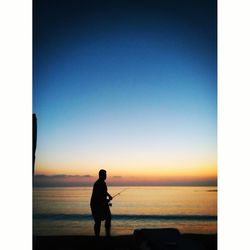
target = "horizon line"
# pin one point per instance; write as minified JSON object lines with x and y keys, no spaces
{"x":130,"y":185}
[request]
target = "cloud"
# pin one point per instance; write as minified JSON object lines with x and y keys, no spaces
{"x":116,"y":180}
{"x":63,"y":176}
{"x":87,"y":176}
{"x":62,"y":180}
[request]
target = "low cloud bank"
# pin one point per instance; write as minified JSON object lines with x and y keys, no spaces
{"x":62,"y":180}
{"x":88,"y":180}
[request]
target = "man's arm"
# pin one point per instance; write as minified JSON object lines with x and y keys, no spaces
{"x":110,"y":197}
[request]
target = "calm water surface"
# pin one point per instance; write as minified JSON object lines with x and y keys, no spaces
{"x":66,"y":211}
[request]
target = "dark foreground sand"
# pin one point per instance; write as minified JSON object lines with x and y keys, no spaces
{"x":127,"y":242}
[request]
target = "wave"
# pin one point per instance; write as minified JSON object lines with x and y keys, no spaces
{"x":126,"y":217}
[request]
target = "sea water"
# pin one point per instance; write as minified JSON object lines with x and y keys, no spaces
{"x":66,"y":211}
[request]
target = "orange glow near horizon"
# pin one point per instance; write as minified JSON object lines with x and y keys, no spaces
{"x":146,"y":174}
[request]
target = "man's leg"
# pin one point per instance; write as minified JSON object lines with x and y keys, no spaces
{"x":108,"y":222}
{"x":97,"y":227}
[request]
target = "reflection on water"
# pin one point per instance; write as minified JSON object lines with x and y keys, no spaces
{"x":190,"y":209}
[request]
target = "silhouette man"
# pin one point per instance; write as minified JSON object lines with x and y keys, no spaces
{"x":99,"y":204}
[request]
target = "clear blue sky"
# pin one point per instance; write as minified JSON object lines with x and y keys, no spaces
{"x":124,"y":80}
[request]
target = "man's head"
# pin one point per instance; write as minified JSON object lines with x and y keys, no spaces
{"x":102,"y":174}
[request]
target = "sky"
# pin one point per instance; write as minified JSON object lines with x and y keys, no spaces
{"x":128,"y":86}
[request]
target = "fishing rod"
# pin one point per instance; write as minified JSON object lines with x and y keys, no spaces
{"x":119,"y":192}
{"x":110,"y":204}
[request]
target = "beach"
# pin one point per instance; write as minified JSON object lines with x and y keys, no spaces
{"x":124,"y":242}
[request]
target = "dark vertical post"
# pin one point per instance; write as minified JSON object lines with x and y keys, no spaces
{"x":34,"y":140}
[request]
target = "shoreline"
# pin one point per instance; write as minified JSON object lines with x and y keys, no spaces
{"x":122,"y":242}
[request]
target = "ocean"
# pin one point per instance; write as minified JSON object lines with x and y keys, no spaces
{"x":66,"y":210}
